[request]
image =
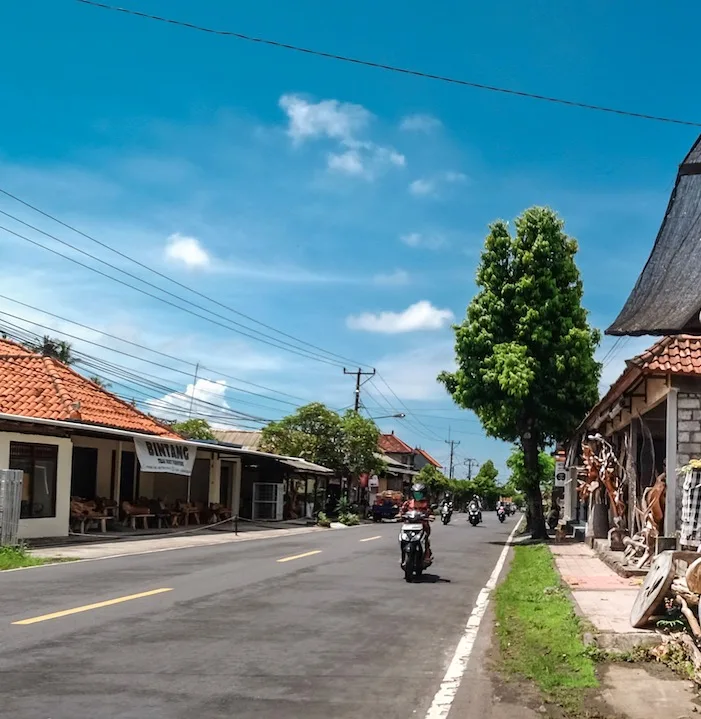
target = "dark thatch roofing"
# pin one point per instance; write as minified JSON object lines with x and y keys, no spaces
{"x":666,"y":298}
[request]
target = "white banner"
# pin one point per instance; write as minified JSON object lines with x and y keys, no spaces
{"x":169,"y":457}
{"x":560,"y":474}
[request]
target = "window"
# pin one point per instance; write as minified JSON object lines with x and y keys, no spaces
{"x":39,"y":463}
{"x":267,"y":501}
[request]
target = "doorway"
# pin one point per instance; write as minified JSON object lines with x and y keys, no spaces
{"x":84,"y":473}
{"x":226,"y":485}
{"x":127,"y":483}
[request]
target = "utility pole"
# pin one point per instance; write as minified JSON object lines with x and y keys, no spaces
{"x":469,"y":463}
{"x":192,"y":396}
{"x":358,"y":374}
{"x":453,"y":443}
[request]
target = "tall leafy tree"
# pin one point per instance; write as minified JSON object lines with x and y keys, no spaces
{"x":193,"y":429}
{"x":433,"y":479}
{"x":314,"y":432}
{"x":525,"y":351}
{"x":485,"y":483}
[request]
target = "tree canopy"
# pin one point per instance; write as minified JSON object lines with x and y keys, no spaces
{"x":433,"y":479}
{"x":525,"y":351}
{"x":316,"y":433}
{"x":194,"y":429}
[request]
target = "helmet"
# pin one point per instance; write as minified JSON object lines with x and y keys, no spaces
{"x":447,"y":496}
{"x":419,"y":491}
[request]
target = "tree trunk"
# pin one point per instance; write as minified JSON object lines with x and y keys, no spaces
{"x":534,"y":496}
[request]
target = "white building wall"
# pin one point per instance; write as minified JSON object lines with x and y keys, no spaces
{"x":56,"y":526}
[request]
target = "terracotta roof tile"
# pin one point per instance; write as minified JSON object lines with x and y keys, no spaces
{"x":391,"y":444}
{"x":428,"y":457}
{"x":32,"y":385}
{"x":680,"y":354}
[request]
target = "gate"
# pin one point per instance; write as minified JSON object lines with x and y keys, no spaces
{"x":10,"y":504}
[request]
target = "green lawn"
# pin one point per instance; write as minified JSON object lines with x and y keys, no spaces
{"x":15,"y":557}
{"x":539,"y":634}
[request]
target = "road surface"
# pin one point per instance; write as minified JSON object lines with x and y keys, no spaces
{"x":317,"y":625}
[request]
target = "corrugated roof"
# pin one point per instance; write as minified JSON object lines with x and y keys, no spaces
{"x":667,"y":296}
{"x":390,"y":443}
{"x":243,"y":437}
{"x":32,"y":385}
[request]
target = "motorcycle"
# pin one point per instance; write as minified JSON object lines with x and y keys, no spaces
{"x":474,"y":515}
{"x":501,"y":513}
{"x":413,"y":543}
{"x":446,"y":513}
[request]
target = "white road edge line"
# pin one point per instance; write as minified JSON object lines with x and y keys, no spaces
{"x":443,"y":700}
{"x":370,"y":539}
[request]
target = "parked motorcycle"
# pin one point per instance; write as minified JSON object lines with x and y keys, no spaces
{"x":446,"y":514}
{"x":501,"y":513}
{"x":474,"y":516}
{"x":413,"y":544}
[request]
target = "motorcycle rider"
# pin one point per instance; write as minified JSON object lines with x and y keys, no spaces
{"x":419,"y":502}
{"x":477,"y":501}
{"x":447,"y":502}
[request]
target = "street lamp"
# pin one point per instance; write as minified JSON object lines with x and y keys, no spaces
{"x":399,"y":415}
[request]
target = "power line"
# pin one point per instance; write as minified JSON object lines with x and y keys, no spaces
{"x":148,"y":349}
{"x":158,"y":274}
{"x":125,"y":354}
{"x":278,"y":344}
{"x":392,"y":68}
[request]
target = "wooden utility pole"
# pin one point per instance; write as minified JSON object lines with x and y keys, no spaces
{"x":469,"y":463}
{"x":358,"y":384}
{"x":453,"y":443}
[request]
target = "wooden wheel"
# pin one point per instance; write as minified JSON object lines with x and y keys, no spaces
{"x":654,"y":590}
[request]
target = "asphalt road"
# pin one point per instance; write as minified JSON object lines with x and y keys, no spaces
{"x":334,"y":631}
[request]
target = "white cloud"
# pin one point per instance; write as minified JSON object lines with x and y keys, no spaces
{"x":348,"y":163}
{"x":432,"y":241}
{"x":422,"y":187}
{"x":327,"y":118}
{"x":430,"y":186}
{"x":396,"y":278}
{"x":187,"y":250}
{"x":204,"y":398}
{"x":420,"y":123}
{"x":420,"y":316}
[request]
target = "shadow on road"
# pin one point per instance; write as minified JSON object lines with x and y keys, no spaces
{"x":430,"y":579}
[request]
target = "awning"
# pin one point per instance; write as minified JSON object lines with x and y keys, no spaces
{"x":301,"y":465}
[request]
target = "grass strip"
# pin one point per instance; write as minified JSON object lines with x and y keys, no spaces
{"x":539,"y":634}
{"x":17,"y":557}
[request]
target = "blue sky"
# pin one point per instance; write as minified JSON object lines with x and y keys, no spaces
{"x":343,"y":205}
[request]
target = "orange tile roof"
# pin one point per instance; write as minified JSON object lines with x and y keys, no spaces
{"x":428,"y":457}
{"x":679,"y":354}
{"x":391,"y":444}
{"x":32,"y":385}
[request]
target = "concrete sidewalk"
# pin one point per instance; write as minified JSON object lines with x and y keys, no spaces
{"x":602,"y":597}
{"x":131,"y":546}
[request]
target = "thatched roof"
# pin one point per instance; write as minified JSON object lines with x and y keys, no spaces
{"x":666,"y":298}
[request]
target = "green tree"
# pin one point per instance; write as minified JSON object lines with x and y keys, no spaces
{"x":51,"y":347}
{"x":433,"y":479}
{"x":525,"y":352}
{"x":485,"y":485}
{"x":99,"y":382}
{"x":318,"y":434}
{"x":194,"y":429}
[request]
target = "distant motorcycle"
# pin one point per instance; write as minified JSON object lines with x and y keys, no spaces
{"x":501,"y":513}
{"x":474,"y":516}
{"x":446,"y":513}
{"x":413,"y":543}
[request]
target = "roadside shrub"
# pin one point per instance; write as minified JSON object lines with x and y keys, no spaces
{"x":322,"y":520}
{"x":349,"y":519}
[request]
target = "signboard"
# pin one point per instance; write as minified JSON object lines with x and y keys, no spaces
{"x":168,"y":457}
{"x":374,"y":482}
{"x":560,"y":474}
{"x":363,"y":479}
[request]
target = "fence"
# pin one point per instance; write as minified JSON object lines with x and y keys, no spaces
{"x":10,"y":503}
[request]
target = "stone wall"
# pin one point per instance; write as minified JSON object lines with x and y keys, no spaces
{"x":688,"y":427}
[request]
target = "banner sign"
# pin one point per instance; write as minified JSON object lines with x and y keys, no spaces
{"x":560,"y":475}
{"x":374,"y":482}
{"x":168,"y":457}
